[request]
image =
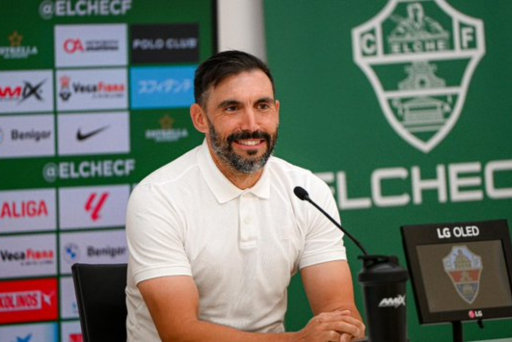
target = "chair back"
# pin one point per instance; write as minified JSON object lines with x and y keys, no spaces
{"x":101,"y":300}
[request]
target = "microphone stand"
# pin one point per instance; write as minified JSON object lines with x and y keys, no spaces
{"x":457,"y":331}
{"x":384,"y":285}
{"x":305,"y":197}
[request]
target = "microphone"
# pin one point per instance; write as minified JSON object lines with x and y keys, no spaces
{"x":384,"y":285}
{"x":303,"y":195}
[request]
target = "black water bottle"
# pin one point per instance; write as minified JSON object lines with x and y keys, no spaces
{"x":384,"y":286}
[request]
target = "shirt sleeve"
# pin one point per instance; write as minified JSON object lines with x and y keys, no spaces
{"x":155,"y":235}
{"x":324,"y":241}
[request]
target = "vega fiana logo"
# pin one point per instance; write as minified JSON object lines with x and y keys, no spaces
{"x":420,"y":57}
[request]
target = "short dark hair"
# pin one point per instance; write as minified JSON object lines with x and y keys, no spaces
{"x":221,"y":66}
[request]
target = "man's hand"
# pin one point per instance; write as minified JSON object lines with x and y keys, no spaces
{"x":330,"y":293}
{"x":336,"y":326}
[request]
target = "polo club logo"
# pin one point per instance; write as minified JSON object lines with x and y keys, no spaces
{"x":464,"y":269}
{"x":419,"y":57}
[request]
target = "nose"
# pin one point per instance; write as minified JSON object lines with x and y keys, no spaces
{"x":250,"y":120}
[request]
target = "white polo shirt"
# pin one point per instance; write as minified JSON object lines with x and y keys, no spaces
{"x":241,"y":246}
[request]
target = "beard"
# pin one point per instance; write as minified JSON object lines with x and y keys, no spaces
{"x":223,"y":148}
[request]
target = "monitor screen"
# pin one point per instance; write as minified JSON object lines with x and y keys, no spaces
{"x":460,"y":271}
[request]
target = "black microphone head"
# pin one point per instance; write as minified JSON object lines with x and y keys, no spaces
{"x":301,"y":193}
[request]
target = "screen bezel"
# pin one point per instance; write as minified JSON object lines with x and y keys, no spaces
{"x":428,"y":234}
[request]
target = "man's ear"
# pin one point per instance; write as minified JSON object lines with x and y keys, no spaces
{"x":199,"y":119}
{"x":278,"y":107}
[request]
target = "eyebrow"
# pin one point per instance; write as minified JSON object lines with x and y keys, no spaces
{"x":228,"y":103}
{"x":266,"y":99}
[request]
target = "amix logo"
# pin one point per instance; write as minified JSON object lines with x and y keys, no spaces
{"x":419,"y":57}
{"x":21,"y":93}
{"x":392,"y":302}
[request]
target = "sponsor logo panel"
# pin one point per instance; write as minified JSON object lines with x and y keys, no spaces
{"x":28,"y":301}
{"x":16,"y":48}
{"x":26,"y":91}
{"x":162,"y":87}
{"x":98,"y":133}
{"x":44,"y":332}
{"x":68,"y":305}
{"x":420,"y":65}
{"x":71,"y":332}
{"x":27,"y":136}
{"x":93,"y":207}
{"x":23,"y":256}
{"x":28,"y":210}
{"x":100,"y":247}
{"x":90,"y":45}
{"x":92,"y":89}
{"x":161,"y":44}
{"x":49,"y":9}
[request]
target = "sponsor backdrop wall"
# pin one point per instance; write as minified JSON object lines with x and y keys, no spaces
{"x":93,"y":96}
{"x":404,"y":108}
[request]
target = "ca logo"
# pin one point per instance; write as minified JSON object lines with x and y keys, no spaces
{"x":419,"y":57}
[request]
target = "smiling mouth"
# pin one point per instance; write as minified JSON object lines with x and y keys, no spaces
{"x":250,"y":142}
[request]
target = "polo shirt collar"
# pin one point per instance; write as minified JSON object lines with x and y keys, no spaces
{"x":220,"y":186}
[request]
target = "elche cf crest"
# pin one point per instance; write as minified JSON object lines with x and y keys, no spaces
{"x":419,"y":57}
{"x":464,"y":269}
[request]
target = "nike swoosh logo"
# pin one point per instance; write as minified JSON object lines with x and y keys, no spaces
{"x":84,"y":136}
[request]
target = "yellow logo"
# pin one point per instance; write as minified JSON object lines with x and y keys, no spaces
{"x":15,"y":50}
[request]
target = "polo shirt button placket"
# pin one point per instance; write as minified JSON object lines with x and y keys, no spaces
{"x":247,"y":228}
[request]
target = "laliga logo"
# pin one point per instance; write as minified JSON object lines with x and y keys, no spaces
{"x":95,"y":205}
{"x":419,"y":57}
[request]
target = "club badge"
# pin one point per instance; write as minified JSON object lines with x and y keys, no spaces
{"x":420,"y":57}
{"x":464,"y":269}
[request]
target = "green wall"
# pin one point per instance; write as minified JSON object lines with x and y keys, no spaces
{"x":333,"y":122}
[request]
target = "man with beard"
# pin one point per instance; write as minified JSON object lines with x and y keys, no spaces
{"x":216,"y":235}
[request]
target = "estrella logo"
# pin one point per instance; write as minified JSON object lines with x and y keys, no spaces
{"x":420,"y":57}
